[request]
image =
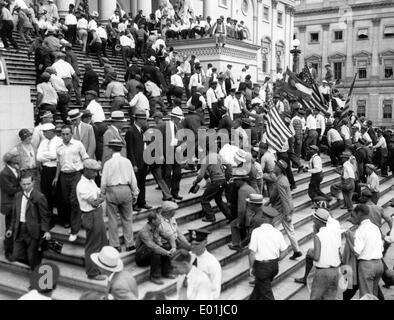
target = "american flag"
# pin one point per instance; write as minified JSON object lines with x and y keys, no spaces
{"x":317,"y":101}
{"x":349,"y":99}
{"x":277,"y":132}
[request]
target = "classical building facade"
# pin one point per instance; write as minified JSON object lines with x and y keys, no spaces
{"x":354,"y":36}
{"x":269,"y":25}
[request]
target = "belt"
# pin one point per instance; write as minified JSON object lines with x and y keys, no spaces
{"x":267,"y":261}
{"x":372,"y":260}
{"x":318,"y":268}
{"x":119,"y":185}
{"x":219,"y":181}
{"x":69,"y":172}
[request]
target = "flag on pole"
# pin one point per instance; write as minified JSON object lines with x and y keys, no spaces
{"x":349,"y":99}
{"x":296,"y":87}
{"x":317,"y":101}
{"x":277,"y":132}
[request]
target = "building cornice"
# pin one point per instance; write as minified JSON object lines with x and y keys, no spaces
{"x":354,"y":7}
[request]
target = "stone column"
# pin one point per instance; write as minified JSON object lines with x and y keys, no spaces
{"x":302,"y":39}
{"x":209,"y":9}
{"x":375,"y":66}
{"x":62,"y":6}
{"x":274,"y":18}
{"x":145,"y":6}
{"x":325,"y":41}
{"x":133,"y":7}
{"x":349,"y":50}
{"x":287,"y":35}
{"x":107,"y":8}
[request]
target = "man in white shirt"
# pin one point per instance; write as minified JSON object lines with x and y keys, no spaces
{"x":311,"y":130}
{"x":213,"y":103}
{"x":347,"y":184}
{"x":90,"y":202}
{"x":71,"y":23}
{"x":196,"y":81}
{"x":365,"y":136}
{"x":265,"y":248}
{"x":102,"y":33}
{"x":192,"y":284}
{"x":46,"y":155}
{"x":372,"y":184}
{"x":381,"y":149}
{"x":320,"y":124}
{"x":345,"y":134}
{"x":205,"y":261}
{"x":128,"y":48}
{"x":368,"y":248}
{"x":316,"y":169}
{"x":140,"y":101}
{"x":335,"y":143}
{"x":232,"y":105}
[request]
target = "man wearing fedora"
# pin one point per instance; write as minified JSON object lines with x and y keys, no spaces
{"x":172,"y":169}
{"x":265,"y":248}
{"x":205,"y":261}
{"x":46,"y":155}
{"x":243,"y":191}
{"x":90,"y":202}
{"x":113,"y":132}
{"x":282,"y":200}
{"x":82,"y":132}
{"x":121,"y":284}
{"x":119,"y":186}
{"x":30,"y":222}
{"x":9,"y":187}
{"x":347,"y":184}
{"x":135,"y":153}
{"x":70,"y":156}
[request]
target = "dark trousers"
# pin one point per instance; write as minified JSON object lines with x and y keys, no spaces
{"x":26,"y":248}
{"x":285,"y":157}
{"x":172,"y":176}
{"x":159,"y":264}
{"x":8,"y":242}
{"x":140,"y":48}
{"x":265,"y":273}
{"x":71,"y":34}
{"x":314,"y":186}
{"x":141,"y":178}
{"x":214,"y":190}
{"x":186,"y":81}
{"x":232,"y":198}
{"x":68,"y":183}
{"x":62,"y":105}
{"x":157,"y":173}
{"x":336,"y":149}
{"x":47,"y":177}
{"x":383,"y":163}
{"x":214,"y":116}
{"x":96,"y":238}
{"x":6,"y":34}
{"x":104,"y":47}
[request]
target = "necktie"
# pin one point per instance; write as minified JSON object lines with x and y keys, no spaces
{"x":77,"y":136}
{"x":183,"y":290}
{"x":199,"y":79}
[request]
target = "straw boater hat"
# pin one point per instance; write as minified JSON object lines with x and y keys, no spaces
{"x":115,"y":143}
{"x":117,"y":116}
{"x":91,"y":93}
{"x":108,"y":259}
{"x":371,"y":166}
{"x":92,"y":165}
{"x":74,"y":114}
{"x":255,"y":199}
{"x":239,"y":173}
{"x":48,"y":127}
{"x":321,"y":215}
{"x":177,"y":113}
{"x":152,"y":59}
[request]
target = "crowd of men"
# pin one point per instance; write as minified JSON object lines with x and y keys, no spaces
{"x":72,"y":174}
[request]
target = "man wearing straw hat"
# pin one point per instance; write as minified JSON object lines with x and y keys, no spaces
{"x":90,"y":202}
{"x":82,"y":132}
{"x":116,"y":123}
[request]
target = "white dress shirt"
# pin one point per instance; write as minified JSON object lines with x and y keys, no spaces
{"x":46,"y":153}
{"x":211,"y":97}
{"x":348,"y":171}
{"x":198,"y":285}
{"x":63,"y":69}
{"x":92,"y":25}
{"x":141,"y":102}
{"x":333,"y":136}
{"x":315,"y":164}
{"x":126,"y":41}
{"x":330,"y":243}
{"x":321,"y":123}
{"x":232,"y":105}
{"x":311,"y":122}
{"x":25,"y":198}
{"x":82,"y":24}
{"x":71,"y":156}
{"x":373,"y":182}
{"x":195,"y":81}
{"x":102,"y":33}
{"x":367,"y":138}
{"x":176,"y":80}
{"x":87,"y":190}
{"x":345,"y":132}
{"x":97,"y":111}
{"x":267,"y":243}
{"x":70,"y":20}
{"x":381,"y":143}
{"x":368,"y":242}
{"x":211,"y":267}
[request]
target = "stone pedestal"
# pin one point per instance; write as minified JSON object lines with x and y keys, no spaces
{"x":63,"y":5}
{"x":237,"y":53}
{"x":16,"y":113}
{"x":107,"y":8}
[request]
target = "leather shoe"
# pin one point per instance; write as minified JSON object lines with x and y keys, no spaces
{"x":137,"y":209}
{"x":66,"y":226}
{"x":296,"y":255}
{"x":146,"y":207}
{"x":300,"y":281}
{"x":208,"y":220}
{"x":119,"y":249}
{"x":156,"y":281}
{"x":293,"y":187}
{"x":129,"y":249}
{"x":170,"y":276}
{"x":169,"y":199}
{"x":235,"y":247}
{"x":99,"y":277}
{"x":177,"y":197}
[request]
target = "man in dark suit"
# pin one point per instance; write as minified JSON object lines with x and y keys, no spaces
{"x":152,"y":71}
{"x":172,"y":169}
{"x":90,"y":80}
{"x":30,"y":223}
{"x":135,"y":153}
{"x":9,"y":186}
{"x":193,"y":122}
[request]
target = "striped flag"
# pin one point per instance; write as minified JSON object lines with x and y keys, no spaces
{"x":296,"y":87}
{"x":277,"y":132}
{"x":349,"y":99}
{"x":317,"y":101}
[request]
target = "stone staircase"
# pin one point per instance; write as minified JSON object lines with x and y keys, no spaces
{"x":14,"y":277}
